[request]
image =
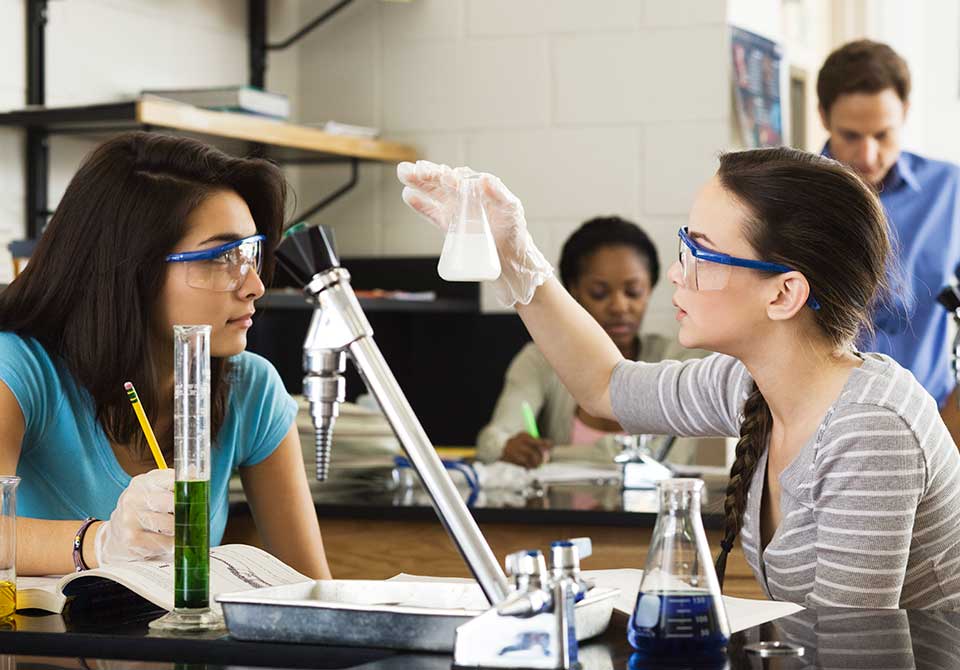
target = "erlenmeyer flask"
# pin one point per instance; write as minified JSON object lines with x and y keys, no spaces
{"x":469,"y":252}
{"x":679,"y":611}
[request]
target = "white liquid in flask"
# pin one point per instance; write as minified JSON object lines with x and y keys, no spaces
{"x":469,"y":252}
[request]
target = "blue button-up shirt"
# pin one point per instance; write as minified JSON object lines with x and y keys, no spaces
{"x":922,"y":200}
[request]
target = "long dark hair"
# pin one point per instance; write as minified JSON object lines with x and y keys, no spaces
{"x":600,"y":232}
{"x":88,"y":293}
{"x":818,"y":217}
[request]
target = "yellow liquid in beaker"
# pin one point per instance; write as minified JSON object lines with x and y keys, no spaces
{"x":8,"y":598}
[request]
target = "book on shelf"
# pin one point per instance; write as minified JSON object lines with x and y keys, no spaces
{"x":246,"y":99}
{"x":338,"y":128}
{"x":233,"y":567}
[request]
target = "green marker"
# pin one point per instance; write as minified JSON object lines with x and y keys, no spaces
{"x":530,"y":419}
{"x":294,"y":229}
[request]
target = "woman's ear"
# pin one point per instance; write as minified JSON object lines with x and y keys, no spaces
{"x":792,"y":293}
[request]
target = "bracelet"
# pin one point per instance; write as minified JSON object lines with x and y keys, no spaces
{"x":78,"y":562}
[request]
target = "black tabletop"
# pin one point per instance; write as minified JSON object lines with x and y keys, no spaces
{"x":829,"y":638}
{"x":601,"y":504}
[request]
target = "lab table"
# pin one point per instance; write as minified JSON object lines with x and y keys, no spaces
{"x":829,"y":638}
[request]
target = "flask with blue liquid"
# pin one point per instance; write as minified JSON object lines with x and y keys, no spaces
{"x":679,"y":612}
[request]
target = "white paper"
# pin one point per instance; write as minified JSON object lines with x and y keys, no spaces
{"x":556,"y":473}
{"x":742,"y":613}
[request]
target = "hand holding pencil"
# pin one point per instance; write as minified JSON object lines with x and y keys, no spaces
{"x":141,"y":525}
{"x":526,"y":448}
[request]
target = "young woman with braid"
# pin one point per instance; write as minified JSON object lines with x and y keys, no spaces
{"x":846,"y":485}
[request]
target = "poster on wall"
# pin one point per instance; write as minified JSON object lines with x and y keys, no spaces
{"x":756,"y":71}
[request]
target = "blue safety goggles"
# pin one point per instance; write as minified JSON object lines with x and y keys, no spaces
{"x":222,"y":268}
{"x":705,"y":270}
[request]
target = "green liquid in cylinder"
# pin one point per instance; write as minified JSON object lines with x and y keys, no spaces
{"x":191,"y":549}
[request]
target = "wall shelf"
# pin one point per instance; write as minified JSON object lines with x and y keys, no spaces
{"x":282,"y":141}
{"x":237,"y":134}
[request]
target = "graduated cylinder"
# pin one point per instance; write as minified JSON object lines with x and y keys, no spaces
{"x":191,"y":449}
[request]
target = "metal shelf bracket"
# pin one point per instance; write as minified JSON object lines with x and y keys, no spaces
{"x":257,"y":16}
{"x":350,"y":183}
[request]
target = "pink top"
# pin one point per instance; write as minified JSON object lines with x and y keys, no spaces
{"x":581,"y":433}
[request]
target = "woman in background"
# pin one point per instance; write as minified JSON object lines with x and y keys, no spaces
{"x":610,"y":266}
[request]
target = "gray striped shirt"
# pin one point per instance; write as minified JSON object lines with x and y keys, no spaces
{"x":869,"y":507}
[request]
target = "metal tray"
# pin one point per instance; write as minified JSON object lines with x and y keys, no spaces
{"x":393,"y":614}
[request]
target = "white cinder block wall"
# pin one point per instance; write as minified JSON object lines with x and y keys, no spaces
{"x":106,"y":50}
{"x":583,"y":108}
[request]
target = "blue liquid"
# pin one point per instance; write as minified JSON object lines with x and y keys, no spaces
{"x":675,"y":623}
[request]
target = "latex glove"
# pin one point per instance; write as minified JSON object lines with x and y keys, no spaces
{"x":141,"y":525}
{"x":431,"y":190}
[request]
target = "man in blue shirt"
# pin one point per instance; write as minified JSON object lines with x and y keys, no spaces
{"x":864,"y":92}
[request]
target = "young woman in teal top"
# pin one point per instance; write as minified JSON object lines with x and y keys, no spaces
{"x":95,"y":307}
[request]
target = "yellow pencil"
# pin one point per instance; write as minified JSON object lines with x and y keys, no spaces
{"x":145,"y":424}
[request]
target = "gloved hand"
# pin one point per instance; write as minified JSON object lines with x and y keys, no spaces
{"x":141,"y":525}
{"x":431,"y":190}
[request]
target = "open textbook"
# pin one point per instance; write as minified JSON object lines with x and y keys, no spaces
{"x":233,"y":567}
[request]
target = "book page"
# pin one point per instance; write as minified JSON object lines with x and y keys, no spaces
{"x":233,"y":567}
{"x":42,"y":593}
{"x":239,"y":567}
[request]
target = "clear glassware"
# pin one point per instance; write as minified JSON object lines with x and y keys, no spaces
{"x":633,"y":447}
{"x":191,"y":453}
{"x":469,"y":251}
{"x":679,"y":611}
{"x":8,"y":545}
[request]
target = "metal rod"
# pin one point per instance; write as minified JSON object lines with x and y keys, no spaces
{"x":36,"y":147}
{"x":36,"y":51}
{"x":37,"y":171}
{"x":276,"y":46}
{"x":450,"y":507}
{"x":257,"y":38}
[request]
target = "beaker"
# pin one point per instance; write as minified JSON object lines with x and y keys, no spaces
{"x":8,"y":545}
{"x":679,"y":610}
{"x":469,"y":251}
{"x":191,"y":455}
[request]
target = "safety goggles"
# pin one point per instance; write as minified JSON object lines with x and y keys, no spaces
{"x":222,"y":268}
{"x":705,"y":270}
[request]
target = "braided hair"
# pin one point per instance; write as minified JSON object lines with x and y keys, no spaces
{"x":812,"y":214}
